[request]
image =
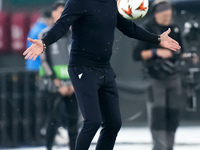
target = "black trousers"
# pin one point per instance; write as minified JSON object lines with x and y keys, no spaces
{"x":63,"y":111}
{"x":97,"y":97}
{"x":164,"y":110}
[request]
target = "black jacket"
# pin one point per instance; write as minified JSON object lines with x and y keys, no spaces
{"x":156,"y":66}
{"x":93,"y":25}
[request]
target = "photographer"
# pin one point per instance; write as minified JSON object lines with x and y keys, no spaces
{"x":165,"y":102}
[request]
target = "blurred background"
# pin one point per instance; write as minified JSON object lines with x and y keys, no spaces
{"x":21,"y":106}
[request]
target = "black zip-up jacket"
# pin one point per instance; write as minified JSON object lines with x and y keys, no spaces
{"x":55,"y":58}
{"x":93,"y":25}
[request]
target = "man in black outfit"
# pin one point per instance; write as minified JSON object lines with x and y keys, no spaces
{"x":61,"y":98}
{"x":93,"y":25}
{"x":165,"y":101}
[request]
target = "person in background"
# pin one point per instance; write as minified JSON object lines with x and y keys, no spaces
{"x":42,"y":22}
{"x":61,"y":92}
{"x":93,"y":24}
{"x":165,"y":101}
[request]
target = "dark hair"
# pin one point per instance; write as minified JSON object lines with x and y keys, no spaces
{"x":160,"y":5}
{"x":58,"y":4}
{"x":45,"y":13}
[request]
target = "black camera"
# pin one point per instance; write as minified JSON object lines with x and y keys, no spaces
{"x":190,"y":63}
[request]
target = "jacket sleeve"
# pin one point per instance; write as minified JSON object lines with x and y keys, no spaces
{"x":46,"y":59}
{"x":132,"y":30}
{"x":72,"y":11}
{"x":137,"y":50}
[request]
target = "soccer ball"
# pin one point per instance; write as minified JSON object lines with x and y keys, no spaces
{"x":133,"y":9}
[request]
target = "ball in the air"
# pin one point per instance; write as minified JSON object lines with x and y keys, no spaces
{"x":133,"y":9}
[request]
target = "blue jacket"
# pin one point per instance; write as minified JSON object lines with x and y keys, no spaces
{"x":33,"y":34}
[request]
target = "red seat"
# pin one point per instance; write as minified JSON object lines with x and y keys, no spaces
{"x":19,"y":31}
{"x":33,"y":18}
{"x":4,"y":32}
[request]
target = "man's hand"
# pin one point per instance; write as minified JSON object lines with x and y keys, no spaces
{"x":57,"y":82}
{"x":34,"y":50}
{"x":63,"y":90}
{"x":71,"y":89}
{"x":66,"y":91}
{"x":167,"y":42}
{"x":164,"y":53}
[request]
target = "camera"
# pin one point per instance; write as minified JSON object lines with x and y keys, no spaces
{"x":190,"y":63}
